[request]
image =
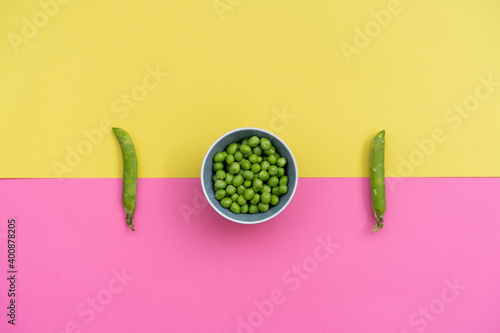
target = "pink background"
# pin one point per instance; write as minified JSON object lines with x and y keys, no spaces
{"x":201,"y":273}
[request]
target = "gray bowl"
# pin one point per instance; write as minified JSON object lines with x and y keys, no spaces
{"x":236,"y":136}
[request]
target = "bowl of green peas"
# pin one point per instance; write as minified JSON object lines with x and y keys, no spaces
{"x":249,"y":175}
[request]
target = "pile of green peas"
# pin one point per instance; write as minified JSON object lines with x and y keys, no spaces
{"x":249,"y":176}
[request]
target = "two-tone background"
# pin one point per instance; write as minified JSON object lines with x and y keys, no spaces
{"x":323,"y":75}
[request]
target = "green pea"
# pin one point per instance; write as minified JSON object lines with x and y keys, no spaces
{"x":276,"y":191}
{"x":377,"y":179}
{"x":221,"y":174}
{"x":219,"y":157}
{"x":256,"y":198}
{"x":241,"y":200}
{"x":253,"y":158}
{"x":263,"y":207}
{"x":265,"y":197}
{"x":253,"y":209}
{"x":240,"y":189}
{"x":226,"y":202}
{"x":253,"y":141}
{"x":273,"y":181}
{"x":220,"y":184}
{"x":220,"y":194}
{"x":264,"y":175}
{"x":257,"y":151}
{"x":273,"y":170}
{"x":238,"y":180}
{"x":247,"y":174}
{"x":245,"y":150}
{"x":129,"y":191}
{"x":255,"y":168}
{"x":238,"y":156}
{"x":251,"y":170}
{"x":245,"y":164}
{"x":249,"y":193}
{"x":265,"y":144}
{"x":232,"y":148}
{"x":234,"y":168}
{"x":235,"y":208}
{"x":281,"y":162}
{"x":229,"y":178}
{"x":270,"y":152}
{"x":257,"y":185}
{"x":229,"y":159}
{"x":230,"y":189}
{"x":283,"y":189}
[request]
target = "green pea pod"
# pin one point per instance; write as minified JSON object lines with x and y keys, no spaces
{"x":129,"y":174}
{"x":377,"y":179}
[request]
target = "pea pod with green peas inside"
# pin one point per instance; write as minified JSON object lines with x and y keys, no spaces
{"x":377,"y":179}
{"x":129,"y":192}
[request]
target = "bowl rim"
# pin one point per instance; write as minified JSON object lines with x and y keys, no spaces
{"x":274,"y":136}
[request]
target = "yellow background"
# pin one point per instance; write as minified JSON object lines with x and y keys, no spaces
{"x":238,"y":69}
